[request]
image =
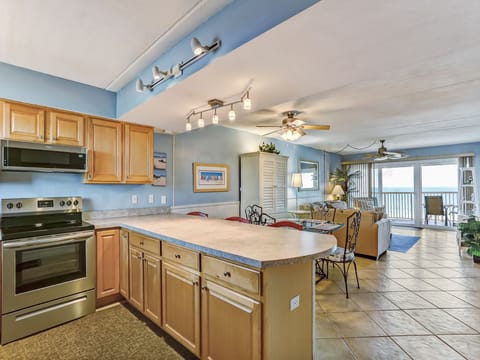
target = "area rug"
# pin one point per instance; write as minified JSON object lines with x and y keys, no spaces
{"x":402,"y":243}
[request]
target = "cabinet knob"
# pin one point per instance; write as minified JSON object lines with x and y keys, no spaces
{"x":227,"y":274}
{"x":141,"y":242}
{"x":178,"y":256}
{"x":204,"y":288}
{"x":89,"y":176}
{"x":195,"y":283}
{"x":139,"y":257}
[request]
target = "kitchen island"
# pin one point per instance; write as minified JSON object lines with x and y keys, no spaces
{"x":248,"y":290}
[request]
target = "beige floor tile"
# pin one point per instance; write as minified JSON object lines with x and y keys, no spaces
{"x":471,"y":317}
{"x":443,"y":300}
{"x":426,"y":348}
{"x":401,"y":264}
{"x":467,"y":345}
{"x":327,"y":287}
{"x":415,"y":284}
{"x":336,"y":303}
{"x":326,"y":349}
{"x":468,"y":282}
{"x":397,"y":322}
{"x":451,"y":273}
{"x":373,"y":301}
{"x":421,"y":273}
{"x":367,"y":274}
{"x":324,"y":328}
{"x":440,"y":322}
{"x":355,"y":324}
{"x":381,"y":285}
{"x":376,"y":348}
{"x":472,"y":297}
{"x":408,"y":300}
{"x":445,"y":284}
{"x":393,"y":273}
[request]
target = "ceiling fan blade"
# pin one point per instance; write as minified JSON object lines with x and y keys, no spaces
{"x":269,"y":126}
{"x":271,"y":132}
{"x":316,"y":127}
{"x":298,"y":122}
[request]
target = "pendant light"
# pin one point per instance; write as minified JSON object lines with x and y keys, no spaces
{"x":247,"y":102}
{"x":231,"y":114}
{"x":201,"y":122}
{"x":215,"y":117}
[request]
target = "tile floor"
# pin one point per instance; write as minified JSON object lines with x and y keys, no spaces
{"x":424,"y":304}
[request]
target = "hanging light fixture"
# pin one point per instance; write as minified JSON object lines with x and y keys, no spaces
{"x":139,"y":85}
{"x":201,"y":122}
{"x":215,"y":117}
{"x":157,"y":73}
{"x":231,"y":114}
{"x":247,"y":102}
{"x":197,"y":46}
{"x":188,"y":125}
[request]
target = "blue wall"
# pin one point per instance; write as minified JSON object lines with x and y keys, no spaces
{"x":96,"y":196}
{"x":37,"y":88}
{"x":235,"y":25}
{"x":221,"y":145}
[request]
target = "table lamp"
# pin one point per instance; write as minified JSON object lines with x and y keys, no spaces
{"x":338,"y":192}
{"x":297,"y":183}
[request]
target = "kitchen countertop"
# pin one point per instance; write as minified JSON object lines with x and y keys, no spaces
{"x":253,"y":245}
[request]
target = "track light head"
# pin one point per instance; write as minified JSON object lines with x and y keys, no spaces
{"x":157,"y":73}
{"x":197,"y":46}
{"x":139,"y":86}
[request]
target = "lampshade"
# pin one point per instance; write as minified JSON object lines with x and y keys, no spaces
{"x":338,"y":191}
{"x":297,"y":180}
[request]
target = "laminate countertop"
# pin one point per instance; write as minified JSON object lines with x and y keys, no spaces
{"x":253,"y":245}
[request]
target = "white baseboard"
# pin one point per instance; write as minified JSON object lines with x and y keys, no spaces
{"x":214,"y":210}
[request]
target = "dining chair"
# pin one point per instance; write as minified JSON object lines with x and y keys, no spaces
{"x":238,"y":218}
{"x":328,"y":212}
{"x":198,"y":213}
{"x":434,"y":206}
{"x":344,"y":257}
{"x":255,"y":215}
{"x":286,"y":223}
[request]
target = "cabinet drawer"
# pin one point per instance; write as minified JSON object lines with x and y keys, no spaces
{"x":181,"y":255}
{"x":145,"y":243}
{"x":241,"y":277}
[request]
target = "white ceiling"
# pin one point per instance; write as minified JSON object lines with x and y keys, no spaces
{"x":101,"y":43}
{"x":406,"y":71}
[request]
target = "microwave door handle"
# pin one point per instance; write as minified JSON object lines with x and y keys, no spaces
{"x":49,"y":241}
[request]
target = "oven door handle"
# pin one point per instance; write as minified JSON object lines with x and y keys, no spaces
{"x":55,"y":240}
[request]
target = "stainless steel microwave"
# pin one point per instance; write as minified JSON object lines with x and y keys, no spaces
{"x":22,"y":156}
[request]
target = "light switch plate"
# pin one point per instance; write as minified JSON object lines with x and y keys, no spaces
{"x":134,"y":199}
{"x":294,"y":302}
{"x":150,"y":198}
{"x":164,"y":199}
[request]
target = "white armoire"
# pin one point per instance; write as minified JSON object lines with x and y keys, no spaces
{"x":263,"y":181}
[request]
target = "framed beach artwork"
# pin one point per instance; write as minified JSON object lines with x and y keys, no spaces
{"x":159,"y":169}
{"x":210,"y":177}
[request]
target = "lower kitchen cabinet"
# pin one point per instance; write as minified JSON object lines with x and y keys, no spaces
{"x":107,"y":262}
{"x":124,"y":281}
{"x":231,"y":324}
{"x":181,"y":305}
{"x":145,"y":290}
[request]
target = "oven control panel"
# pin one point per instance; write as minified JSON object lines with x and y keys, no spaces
{"x":24,"y":205}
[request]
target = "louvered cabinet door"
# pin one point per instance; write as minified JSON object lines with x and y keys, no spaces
{"x":280,"y":189}
{"x":267,"y":183}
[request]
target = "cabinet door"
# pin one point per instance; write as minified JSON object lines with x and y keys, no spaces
{"x":267,"y":182}
{"x":138,"y":154}
{"x":135,"y":267}
{"x":104,"y":151}
{"x":152,"y":290}
{"x":22,"y":122}
{"x":280,"y":189}
{"x":124,"y":288}
{"x":107,"y":262}
{"x":181,"y":305}
{"x":231,"y":324}
{"x":65,"y":129}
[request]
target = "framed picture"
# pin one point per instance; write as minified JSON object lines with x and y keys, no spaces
{"x":159,"y":169}
{"x":210,"y":177}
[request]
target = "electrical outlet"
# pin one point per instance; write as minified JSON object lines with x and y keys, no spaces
{"x":150,"y":198}
{"x":294,"y":302}
{"x":164,"y":199}
{"x":134,"y":199}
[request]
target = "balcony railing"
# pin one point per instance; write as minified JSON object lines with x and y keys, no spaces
{"x":401,"y":205}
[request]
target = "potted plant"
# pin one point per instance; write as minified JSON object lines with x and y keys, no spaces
{"x":471,"y":238}
{"x":344,"y":177}
{"x":270,"y":148}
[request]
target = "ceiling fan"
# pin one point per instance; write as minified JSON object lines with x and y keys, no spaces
{"x":293,"y":128}
{"x":383,"y":154}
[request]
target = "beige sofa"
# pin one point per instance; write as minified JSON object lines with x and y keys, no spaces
{"x":374,"y":235}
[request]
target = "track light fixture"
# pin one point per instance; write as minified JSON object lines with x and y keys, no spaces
{"x":176,"y":70}
{"x":216,"y":104}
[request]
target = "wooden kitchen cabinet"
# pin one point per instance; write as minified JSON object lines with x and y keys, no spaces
{"x":124,"y":259}
{"x":105,"y":151}
{"x":145,"y":276}
{"x":138,"y":154}
{"x":181,"y":295}
{"x":108,"y":244}
{"x":22,"y":122}
{"x":65,"y":129}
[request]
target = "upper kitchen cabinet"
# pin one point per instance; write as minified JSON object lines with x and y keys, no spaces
{"x":65,"y":129}
{"x":105,"y":151}
{"x":119,"y":153}
{"x":22,"y":122}
{"x":138,"y":154}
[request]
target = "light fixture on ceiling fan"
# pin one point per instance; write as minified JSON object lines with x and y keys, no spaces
{"x":293,"y":128}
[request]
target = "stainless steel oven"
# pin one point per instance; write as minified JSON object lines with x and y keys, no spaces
{"x":48,"y":265}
